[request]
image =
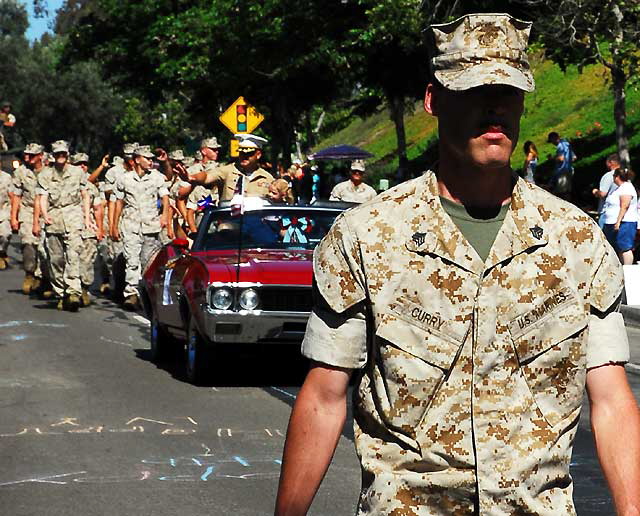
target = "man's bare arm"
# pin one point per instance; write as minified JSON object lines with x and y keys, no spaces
{"x":315,"y":426}
{"x":615,"y":420}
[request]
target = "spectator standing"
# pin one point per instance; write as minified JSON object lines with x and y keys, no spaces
{"x":562,"y":179}
{"x":530,"y":161}
{"x":606,"y":186}
{"x":354,"y":189}
{"x":621,"y":215}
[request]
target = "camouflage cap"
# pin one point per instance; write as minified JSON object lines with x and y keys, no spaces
{"x":357,"y":164}
{"x":128,"y":148}
{"x":60,"y":146}
{"x":143,"y":150}
{"x":117,"y":160}
{"x":212,"y":143}
{"x":79,"y":157}
{"x":198,"y":156}
{"x":34,"y":148}
{"x":176,"y":155}
{"x":188,"y":161}
{"x":46,"y":157}
{"x":480,"y":49}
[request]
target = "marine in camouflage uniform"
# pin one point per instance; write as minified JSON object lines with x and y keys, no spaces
{"x":473,"y":359}
{"x":62,"y":190}
{"x":25,"y":183}
{"x":138,"y":194}
{"x":6,"y":192}
{"x":353,"y":190}
{"x":90,"y":236}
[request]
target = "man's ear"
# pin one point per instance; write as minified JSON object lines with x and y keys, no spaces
{"x":430,"y":100}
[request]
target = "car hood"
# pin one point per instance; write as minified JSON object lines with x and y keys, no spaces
{"x":279,"y":267}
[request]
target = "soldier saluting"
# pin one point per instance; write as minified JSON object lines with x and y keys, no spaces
{"x":476,"y":306}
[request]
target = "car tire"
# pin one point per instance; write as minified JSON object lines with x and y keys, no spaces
{"x":197,"y":356}
{"x":160,"y":341}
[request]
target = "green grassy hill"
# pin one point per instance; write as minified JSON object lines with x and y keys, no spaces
{"x":577,"y":105}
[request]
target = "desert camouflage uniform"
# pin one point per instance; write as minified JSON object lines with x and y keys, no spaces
{"x":225,"y":179}
{"x":109,"y":190}
{"x":140,"y":221}
{"x":25,"y":183}
{"x":5,"y":212}
{"x":473,"y":373}
{"x":89,"y":249}
{"x":63,"y":236}
{"x":348,"y":192}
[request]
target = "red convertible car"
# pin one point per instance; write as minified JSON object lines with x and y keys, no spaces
{"x":246,"y":279}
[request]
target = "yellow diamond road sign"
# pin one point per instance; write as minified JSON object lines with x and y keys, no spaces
{"x":241,"y":117}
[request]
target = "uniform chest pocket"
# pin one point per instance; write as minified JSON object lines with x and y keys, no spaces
{"x":413,"y":362}
{"x":549,"y":341}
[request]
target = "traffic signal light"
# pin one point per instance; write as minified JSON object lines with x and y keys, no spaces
{"x":241,"y":117}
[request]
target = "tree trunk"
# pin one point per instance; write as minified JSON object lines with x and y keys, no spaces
{"x":396,"y":110}
{"x":620,"y":115}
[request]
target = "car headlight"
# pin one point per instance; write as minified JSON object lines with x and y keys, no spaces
{"x":249,"y":299}
{"x":222,"y":298}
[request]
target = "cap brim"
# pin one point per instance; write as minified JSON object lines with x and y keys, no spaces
{"x":484,"y":74}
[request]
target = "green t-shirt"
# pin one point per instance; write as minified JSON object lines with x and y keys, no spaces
{"x":479,"y":226}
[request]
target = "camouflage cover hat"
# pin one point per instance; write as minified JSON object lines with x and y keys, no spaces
{"x":212,"y":143}
{"x":177,"y":155}
{"x":188,"y":161}
{"x":79,"y":157}
{"x":198,"y":156}
{"x":117,"y":160}
{"x":143,"y":150}
{"x":129,"y":148}
{"x":479,"y":49}
{"x":357,"y":164}
{"x":60,"y":146}
{"x":34,"y":148}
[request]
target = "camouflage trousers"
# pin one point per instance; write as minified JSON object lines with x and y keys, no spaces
{"x":34,"y":253}
{"x":5,"y":236}
{"x":137,"y":249}
{"x":88,"y":253}
{"x":63,"y":253}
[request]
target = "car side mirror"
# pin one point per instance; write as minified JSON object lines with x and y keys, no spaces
{"x":180,"y":243}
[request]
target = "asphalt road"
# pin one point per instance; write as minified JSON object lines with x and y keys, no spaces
{"x":88,"y":425}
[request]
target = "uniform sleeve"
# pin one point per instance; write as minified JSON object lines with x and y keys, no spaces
{"x":17,"y":186}
{"x":335,"y":194}
{"x":41,"y":187}
{"x":84,"y":183}
{"x":163,"y":189}
{"x":336,"y":331}
{"x":118,"y":190}
{"x":607,"y":342}
{"x":215,"y":176}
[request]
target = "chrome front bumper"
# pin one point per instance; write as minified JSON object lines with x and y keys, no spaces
{"x":254,"y":326}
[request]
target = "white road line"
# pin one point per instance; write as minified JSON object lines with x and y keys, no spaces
{"x":141,"y":319}
{"x":282,"y":391}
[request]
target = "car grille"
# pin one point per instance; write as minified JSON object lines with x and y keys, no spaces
{"x":286,"y":299}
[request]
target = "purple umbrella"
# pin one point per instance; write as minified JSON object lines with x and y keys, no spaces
{"x":341,"y":152}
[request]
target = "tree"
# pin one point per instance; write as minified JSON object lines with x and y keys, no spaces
{"x":587,"y":31}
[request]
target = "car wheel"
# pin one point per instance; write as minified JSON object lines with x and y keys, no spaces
{"x":160,"y":341}
{"x":197,"y":356}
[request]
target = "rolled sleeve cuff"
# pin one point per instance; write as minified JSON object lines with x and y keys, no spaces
{"x":119,"y":195}
{"x":608,"y":342}
{"x":192,"y":206}
{"x":336,"y":341}
{"x":41,"y":191}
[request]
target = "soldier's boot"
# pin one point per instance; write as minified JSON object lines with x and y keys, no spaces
{"x":85,"y":298}
{"x":27,"y":283}
{"x":4,"y":263}
{"x":36,"y":285}
{"x":131,"y":303}
{"x":48,"y":293}
{"x":73,"y":303}
{"x":105,"y":288}
{"x":60,"y":305}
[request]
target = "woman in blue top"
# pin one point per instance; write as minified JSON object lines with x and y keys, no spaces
{"x":531,"y":161}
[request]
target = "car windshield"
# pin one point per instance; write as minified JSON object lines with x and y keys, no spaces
{"x":269,"y":229}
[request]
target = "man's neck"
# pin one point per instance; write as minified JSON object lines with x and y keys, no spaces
{"x":141,"y":171}
{"x":474,"y":186}
{"x":59,"y":168}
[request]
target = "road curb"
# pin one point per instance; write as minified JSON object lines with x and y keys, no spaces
{"x":631,"y":314}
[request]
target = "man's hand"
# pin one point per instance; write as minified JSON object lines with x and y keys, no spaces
{"x":616,"y":226}
{"x":115,"y":234}
{"x":90,"y":225}
{"x":15,"y":225}
{"x":180,"y":169}
{"x":105,"y":161}
{"x":47,"y":220}
{"x":36,"y":228}
{"x":161,"y":154}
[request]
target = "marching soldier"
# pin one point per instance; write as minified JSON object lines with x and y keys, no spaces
{"x":137,"y":195}
{"x":25,"y":182}
{"x":63,"y":200}
{"x":6,"y":193}
{"x":90,"y":236}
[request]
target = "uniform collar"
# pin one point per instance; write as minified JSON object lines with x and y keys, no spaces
{"x":434,"y":232}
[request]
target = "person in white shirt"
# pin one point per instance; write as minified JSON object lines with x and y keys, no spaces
{"x":606,"y":185}
{"x":621,"y":215}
